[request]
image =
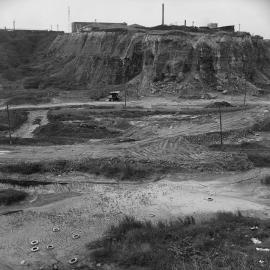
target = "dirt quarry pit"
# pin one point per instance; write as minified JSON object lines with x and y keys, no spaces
{"x":154,"y":163}
{"x":190,"y":136}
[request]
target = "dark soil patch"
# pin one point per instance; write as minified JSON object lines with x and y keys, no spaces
{"x":11,"y":196}
{"x":28,"y":183}
{"x":220,"y":243}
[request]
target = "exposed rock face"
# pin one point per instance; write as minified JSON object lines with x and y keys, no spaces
{"x":167,"y":61}
{"x":178,"y":61}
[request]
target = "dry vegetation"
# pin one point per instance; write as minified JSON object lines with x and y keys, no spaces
{"x":11,"y":196}
{"x":17,"y":118}
{"x":220,"y":243}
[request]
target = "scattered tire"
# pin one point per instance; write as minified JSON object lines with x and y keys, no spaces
{"x":50,"y":247}
{"x":210,"y":199}
{"x":73,"y":261}
{"x":55,"y":229}
{"x":35,"y":249}
{"x":75,"y":236}
{"x":34,"y":242}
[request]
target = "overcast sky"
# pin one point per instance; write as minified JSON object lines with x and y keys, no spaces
{"x":253,"y":15}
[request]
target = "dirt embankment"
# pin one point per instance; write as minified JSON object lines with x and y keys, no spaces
{"x":194,"y":65}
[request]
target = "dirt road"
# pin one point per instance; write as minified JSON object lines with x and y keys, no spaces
{"x":149,"y":102}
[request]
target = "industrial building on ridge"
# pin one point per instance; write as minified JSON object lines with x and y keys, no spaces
{"x":92,"y":26}
{"x":100,"y":26}
{"x":212,"y":25}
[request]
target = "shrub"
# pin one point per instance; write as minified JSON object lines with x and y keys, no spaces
{"x":266,"y":180}
{"x":10,"y":74}
{"x":219,"y":243}
{"x":31,"y":83}
{"x":11,"y":196}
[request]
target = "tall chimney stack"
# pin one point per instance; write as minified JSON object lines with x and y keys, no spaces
{"x":163,"y":14}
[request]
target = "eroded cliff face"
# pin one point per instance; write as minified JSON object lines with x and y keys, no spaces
{"x":169,"y":61}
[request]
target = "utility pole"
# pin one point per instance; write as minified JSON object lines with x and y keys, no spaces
{"x":220,"y":125}
{"x":69,"y":19}
{"x":9,"y":129}
{"x":245,"y":96}
{"x":163,"y":9}
{"x":239,"y":27}
{"x":14,"y":25}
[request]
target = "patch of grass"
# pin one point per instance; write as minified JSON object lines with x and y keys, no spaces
{"x":260,"y":159}
{"x":264,"y":125}
{"x":257,"y":153}
{"x":223,"y":242}
{"x":11,"y":196}
{"x":219,"y":104}
{"x":89,"y":130}
{"x":266,"y":180}
{"x":42,"y":141}
{"x":27,"y":183}
{"x":67,"y":114}
{"x":109,"y":167}
{"x":17,"y":118}
{"x":29,"y":99}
